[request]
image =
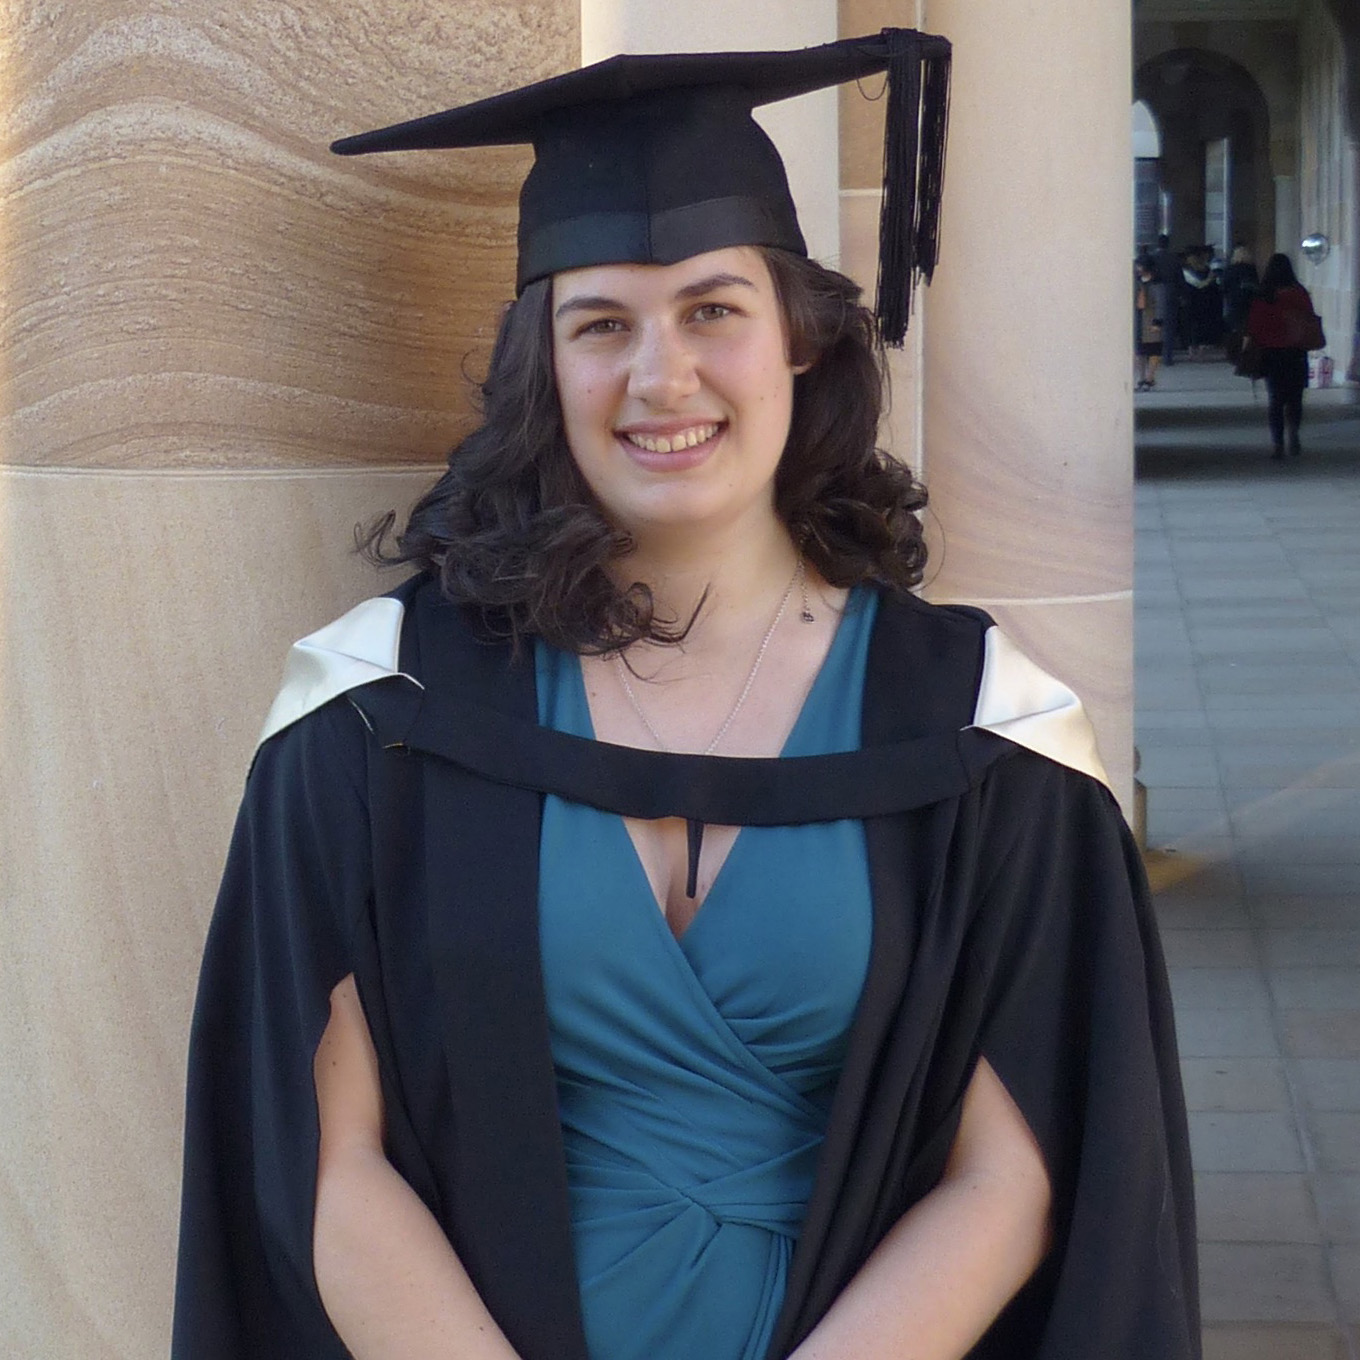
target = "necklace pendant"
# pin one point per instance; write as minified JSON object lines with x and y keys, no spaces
{"x":805,"y":615}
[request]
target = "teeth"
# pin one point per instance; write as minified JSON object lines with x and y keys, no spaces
{"x":686,"y":439}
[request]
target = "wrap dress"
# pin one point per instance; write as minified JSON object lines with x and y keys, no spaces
{"x":695,"y":1075}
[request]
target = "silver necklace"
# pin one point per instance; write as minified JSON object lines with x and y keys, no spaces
{"x":807,"y":616}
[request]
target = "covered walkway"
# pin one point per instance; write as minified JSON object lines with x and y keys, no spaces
{"x":1248,"y":725}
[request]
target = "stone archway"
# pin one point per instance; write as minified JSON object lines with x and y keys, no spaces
{"x":1147,"y":178}
{"x":1199,"y":96}
{"x":1347,"y":19}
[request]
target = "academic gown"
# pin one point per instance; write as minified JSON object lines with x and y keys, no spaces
{"x":390,"y":829}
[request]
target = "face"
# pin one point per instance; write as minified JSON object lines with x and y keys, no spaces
{"x":676,"y":389}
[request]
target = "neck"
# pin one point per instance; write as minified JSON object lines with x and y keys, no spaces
{"x":734,"y":576}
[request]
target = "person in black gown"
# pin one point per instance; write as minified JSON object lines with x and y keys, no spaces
{"x":676,"y":501}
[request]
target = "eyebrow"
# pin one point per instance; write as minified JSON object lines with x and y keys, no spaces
{"x":595,"y":302}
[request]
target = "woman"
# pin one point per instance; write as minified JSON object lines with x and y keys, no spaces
{"x":1204,"y":302}
{"x":1283,"y":323}
{"x":1148,"y":324}
{"x":1240,"y":282}
{"x":651,"y":930}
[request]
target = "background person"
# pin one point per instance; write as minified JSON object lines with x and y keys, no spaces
{"x":1167,"y":265}
{"x":1148,"y":326}
{"x":1281,"y":320}
{"x":1203,"y":302}
{"x":1240,"y":283}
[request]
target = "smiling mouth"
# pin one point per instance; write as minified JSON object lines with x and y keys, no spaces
{"x":672,"y":443}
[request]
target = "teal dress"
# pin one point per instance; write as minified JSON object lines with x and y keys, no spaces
{"x":695,"y":1076}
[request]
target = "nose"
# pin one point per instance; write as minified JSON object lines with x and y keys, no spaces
{"x":663,"y":367}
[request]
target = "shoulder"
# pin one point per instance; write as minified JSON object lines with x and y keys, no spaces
{"x":950,"y":666}
{"x":362,"y":646}
{"x":316,"y":764}
{"x":925,"y":663}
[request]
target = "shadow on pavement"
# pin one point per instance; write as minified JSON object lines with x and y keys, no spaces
{"x":1203,"y":421}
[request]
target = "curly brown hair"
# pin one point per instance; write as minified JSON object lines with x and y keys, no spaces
{"x":512,"y":529}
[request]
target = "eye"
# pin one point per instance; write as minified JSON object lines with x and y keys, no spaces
{"x":712,"y":311}
{"x":601,"y":325}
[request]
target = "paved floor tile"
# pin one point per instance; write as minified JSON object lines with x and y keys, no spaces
{"x":1265,"y":771}
{"x":1200,"y":589}
{"x":1208,"y":878}
{"x":1321,"y":1034}
{"x":1280,"y":848}
{"x":1158,"y":598}
{"x":1176,"y":912}
{"x":1270,"y":721}
{"x":1242,"y":1085}
{"x":1329,"y":1083}
{"x":1336,"y":1141}
{"x":1305,"y":811}
{"x":1218,"y":988}
{"x":1183,"y":766}
{"x":1171,"y":691}
{"x":1245,"y":1142}
{"x":1310,"y":745}
{"x":1345,"y":1265}
{"x":1283,"y":672}
{"x":1301,"y":879}
{"x":1178,"y":862}
{"x":1184,"y":724}
{"x":1192,"y":732}
{"x":1166,"y":827}
{"x":1298,"y":707}
{"x":1284,"y":1282}
{"x":1305,"y":913}
{"x":1255,"y":1207}
{"x":1292,"y":948}
{"x":1167,"y":823}
{"x":1338,"y":1207}
{"x":1212,"y":948}
{"x":1316,"y":988}
{"x":1332,"y":693}
{"x":1274,"y":1343}
{"x":1249,"y":612}
{"x":1206,"y":798}
{"x":1252,"y":636}
{"x":1225,"y":1033}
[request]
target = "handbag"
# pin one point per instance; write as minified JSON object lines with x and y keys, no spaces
{"x":1304,"y":330}
{"x":1249,"y":361}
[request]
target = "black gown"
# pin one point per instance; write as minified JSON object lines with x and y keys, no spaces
{"x":392,"y":832}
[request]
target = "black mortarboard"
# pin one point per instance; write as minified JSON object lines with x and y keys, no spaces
{"x":652,"y":159}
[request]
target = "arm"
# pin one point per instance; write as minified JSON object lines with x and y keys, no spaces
{"x":954,"y":1260}
{"x":390,"y":1282}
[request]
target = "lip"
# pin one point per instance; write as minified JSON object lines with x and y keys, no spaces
{"x":671,"y":459}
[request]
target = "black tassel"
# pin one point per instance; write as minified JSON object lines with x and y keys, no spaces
{"x":930,"y":176}
{"x":913,"y":173}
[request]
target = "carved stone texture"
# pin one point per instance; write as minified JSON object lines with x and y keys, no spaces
{"x":191,"y":279}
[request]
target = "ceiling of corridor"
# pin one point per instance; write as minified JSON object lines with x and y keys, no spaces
{"x":1152,"y":11}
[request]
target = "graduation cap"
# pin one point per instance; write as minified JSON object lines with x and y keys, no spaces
{"x":653,"y":159}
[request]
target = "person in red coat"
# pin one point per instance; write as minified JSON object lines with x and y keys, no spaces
{"x":1283,"y":323}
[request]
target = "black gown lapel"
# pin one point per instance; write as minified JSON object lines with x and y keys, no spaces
{"x":508,"y":1211}
{"x":924,"y":667}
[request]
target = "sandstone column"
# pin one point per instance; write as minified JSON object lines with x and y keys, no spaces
{"x":1027,"y":420}
{"x":219,"y":347}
